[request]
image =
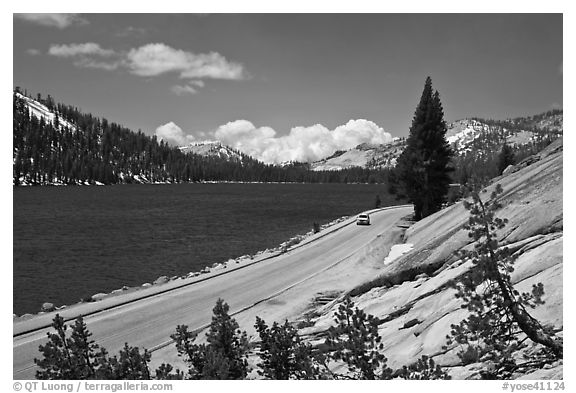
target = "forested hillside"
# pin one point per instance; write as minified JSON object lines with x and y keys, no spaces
{"x":57,"y":144}
{"x":483,"y":156}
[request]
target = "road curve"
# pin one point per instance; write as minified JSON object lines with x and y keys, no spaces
{"x":148,"y":322}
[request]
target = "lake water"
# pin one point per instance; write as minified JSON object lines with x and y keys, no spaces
{"x":73,"y":242}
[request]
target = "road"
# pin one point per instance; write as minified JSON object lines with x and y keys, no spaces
{"x":149,"y":322}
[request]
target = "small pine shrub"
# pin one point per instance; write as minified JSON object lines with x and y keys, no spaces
{"x":424,"y":368}
{"x":224,"y":357}
{"x":79,"y":357}
{"x":355,"y":341}
{"x":283,"y":354}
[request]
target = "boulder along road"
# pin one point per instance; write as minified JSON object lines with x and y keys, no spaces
{"x":146,"y":318}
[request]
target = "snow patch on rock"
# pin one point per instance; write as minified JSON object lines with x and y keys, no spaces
{"x":397,"y":251}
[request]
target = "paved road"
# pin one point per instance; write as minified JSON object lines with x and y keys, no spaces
{"x":149,"y":322}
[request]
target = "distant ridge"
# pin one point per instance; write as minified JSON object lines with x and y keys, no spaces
{"x":213,"y":149}
{"x":473,"y":135}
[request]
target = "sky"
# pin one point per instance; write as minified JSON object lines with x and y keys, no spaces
{"x":289,"y":86}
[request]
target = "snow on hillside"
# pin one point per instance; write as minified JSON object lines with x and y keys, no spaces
{"x":41,"y":111}
{"x":212,"y":148}
{"x":353,"y":157}
{"x":463,"y":136}
{"x":364,"y":155}
{"x":464,"y":131}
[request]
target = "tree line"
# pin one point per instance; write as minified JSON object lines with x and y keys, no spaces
{"x":353,"y":341}
{"x":96,"y":150}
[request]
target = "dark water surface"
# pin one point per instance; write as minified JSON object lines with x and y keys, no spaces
{"x":72,"y":242}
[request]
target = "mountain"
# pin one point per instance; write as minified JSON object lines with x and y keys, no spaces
{"x":480,"y":134}
{"x":57,"y":144}
{"x":479,"y":137}
{"x":364,"y":155}
{"x":213,"y":149}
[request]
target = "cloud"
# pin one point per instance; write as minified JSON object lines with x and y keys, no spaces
{"x":152,"y":60}
{"x":85,"y":49}
{"x":33,"y":52}
{"x":190,"y":88}
{"x":360,"y":131}
{"x":157,"y":59}
{"x":244,"y":136}
{"x":60,"y":21}
{"x":304,"y":144}
{"x":172,"y":134}
{"x":88,"y":55}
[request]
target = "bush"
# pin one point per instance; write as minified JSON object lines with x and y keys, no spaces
{"x":424,"y":368}
{"x":355,"y":341}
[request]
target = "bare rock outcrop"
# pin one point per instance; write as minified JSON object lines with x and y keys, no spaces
{"x":418,"y":310}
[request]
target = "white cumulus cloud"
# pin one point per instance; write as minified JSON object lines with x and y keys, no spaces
{"x":173,"y":135}
{"x":304,"y":144}
{"x":359,"y":131}
{"x":60,"y":21}
{"x":156,"y":59}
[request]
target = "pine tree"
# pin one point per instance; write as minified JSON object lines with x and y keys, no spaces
{"x":356,"y":342}
{"x":423,"y":167}
{"x":225,"y":337}
{"x":499,"y":321}
{"x":79,"y":357}
{"x":284,"y":354}
{"x":505,"y":158}
{"x":224,"y":357}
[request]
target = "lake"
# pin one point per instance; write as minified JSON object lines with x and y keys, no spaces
{"x":72,"y":242}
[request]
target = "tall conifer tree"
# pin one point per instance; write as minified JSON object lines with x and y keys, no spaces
{"x":505,"y":158}
{"x":423,"y":167}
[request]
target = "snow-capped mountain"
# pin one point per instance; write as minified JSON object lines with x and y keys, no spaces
{"x":463,"y":132}
{"x":212,"y":149}
{"x":464,"y":136}
{"x":470,"y":135}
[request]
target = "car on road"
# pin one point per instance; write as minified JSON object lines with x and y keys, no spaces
{"x":363,"y":219}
